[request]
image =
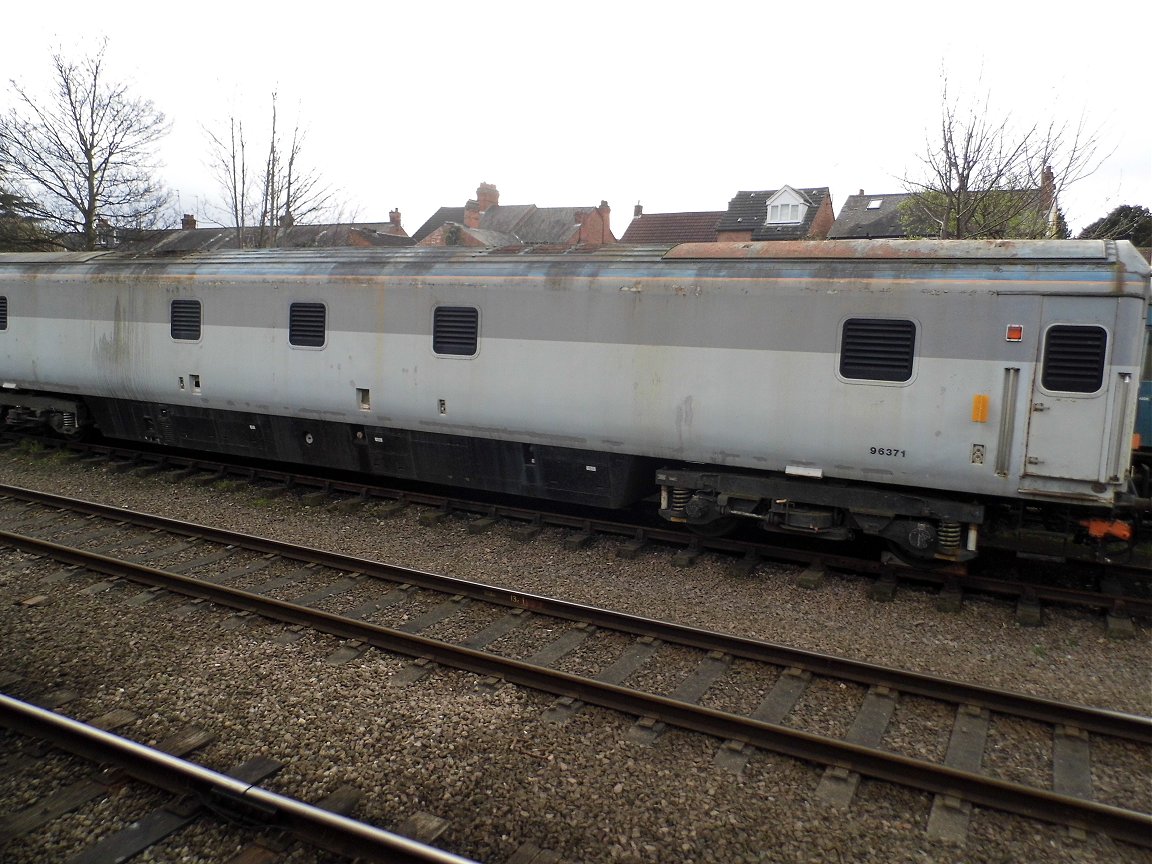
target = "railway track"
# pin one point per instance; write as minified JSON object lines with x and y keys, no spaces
{"x":1123,"y":587}
{"x":460,"y":625}
{"x":200,"y":793}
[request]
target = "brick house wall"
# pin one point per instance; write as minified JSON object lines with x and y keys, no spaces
{"x":734,"y":236}
{"x":822,"y":222}
{"x":438,"y":237}
{"x":596,"y":226}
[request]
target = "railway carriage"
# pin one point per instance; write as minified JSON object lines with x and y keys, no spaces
{"x":894,"y":388}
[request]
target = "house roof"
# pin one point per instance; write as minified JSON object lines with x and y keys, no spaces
{"x":444,"y":214}
{"x":859,"y":220}
{"x":513,"y":223}
{"x":695,"y":227}
{"x":298,"y":236}
{"x":547,"y":224}
{"x":490,"y":238}
{"x":505,"y":218}
{"x":749,"y":211}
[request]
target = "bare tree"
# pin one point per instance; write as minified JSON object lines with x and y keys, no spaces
{"x":230,"y":164}
{"x":984,"y":176}
{"x":85,"y":154}
{"x":289,"y":193}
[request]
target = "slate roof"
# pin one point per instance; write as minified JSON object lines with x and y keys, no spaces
{"x":547,"y":224}
{"x":857,"y":221}
{"x":444,"y":214}
{"x":505,"y":218}
{"x":696,"y":227}
{"x":180,"y":240}
{"x":749,"y":210}
{"x":490,"y":238}
{"x":502,"y":224}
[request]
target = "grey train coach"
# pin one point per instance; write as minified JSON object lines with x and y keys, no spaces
{"x":832,"y":388}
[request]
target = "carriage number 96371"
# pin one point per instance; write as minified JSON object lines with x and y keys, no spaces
{"x":886,"y":451}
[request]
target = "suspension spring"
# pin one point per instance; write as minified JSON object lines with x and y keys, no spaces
{"x":949,"y":534}
{"x":680,"y":499}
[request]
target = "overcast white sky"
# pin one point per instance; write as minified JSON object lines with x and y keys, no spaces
{"x":675,"y":105}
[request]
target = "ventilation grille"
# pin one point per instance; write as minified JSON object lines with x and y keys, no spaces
{"x":306,"y":324}
{"x":1074,"y":358}
{"x":3,"y":313}
{"x":454,"y":330}
{"x":186,"y":319}
{"x":877,"y":349}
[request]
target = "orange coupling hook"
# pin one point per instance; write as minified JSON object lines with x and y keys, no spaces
{"x":1098,"y":529}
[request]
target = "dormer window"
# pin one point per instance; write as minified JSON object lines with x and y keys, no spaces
{"x":786,"y":207}
{"x":784,"y":213}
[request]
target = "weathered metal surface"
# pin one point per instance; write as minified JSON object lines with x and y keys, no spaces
{"x":864,"y":250}
{"x":670,"y":349}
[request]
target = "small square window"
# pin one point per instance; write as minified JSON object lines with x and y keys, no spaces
{"x":1074,"y":358}
{"x":877,"y":349}
{"x":306,"y":325}
{"x":185,"y":320}
{"x":455,"y":330}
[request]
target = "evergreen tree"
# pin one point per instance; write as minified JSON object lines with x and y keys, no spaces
{"x":1126,"y":222}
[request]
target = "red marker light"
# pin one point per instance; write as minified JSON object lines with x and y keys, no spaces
{"x":1014,"y":333}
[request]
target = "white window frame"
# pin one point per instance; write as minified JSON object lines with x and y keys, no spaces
{"x":786,"y":207}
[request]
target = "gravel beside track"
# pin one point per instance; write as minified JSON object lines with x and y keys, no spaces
{"x":483,"y":758}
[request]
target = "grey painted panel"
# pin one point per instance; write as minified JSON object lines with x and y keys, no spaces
{"x":760,"y":410}
{"x":789,"y":316}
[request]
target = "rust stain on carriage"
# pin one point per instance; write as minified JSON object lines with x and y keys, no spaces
{"x":890,"y":249}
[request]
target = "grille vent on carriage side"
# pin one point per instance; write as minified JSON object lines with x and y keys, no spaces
{"x":3,"y":313}
{"x":186,"y":320}
{"x":877,"y":349}
{"x":306,"y":323}
{"x":1074,"y":358}
{"x":455,"y":330}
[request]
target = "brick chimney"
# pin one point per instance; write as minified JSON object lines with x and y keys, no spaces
{"x":605,"y":214}
{"x":188,"y":222}
{"x":487,"y":196}
{"x":637,"y":211}
{"x":394,"y":218}
{"x":472,"y":214}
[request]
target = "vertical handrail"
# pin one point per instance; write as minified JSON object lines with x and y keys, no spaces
{"x":1007,"y":419}
{"x":1121,"y":435}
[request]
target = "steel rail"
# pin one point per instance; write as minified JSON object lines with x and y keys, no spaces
{"x":285,"y":479}
{"x":1090,"y":719}
{"x":1126,"y":605}
{"x":315,"y":825}
{"x":1130,"y":826}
